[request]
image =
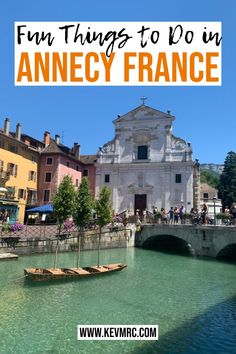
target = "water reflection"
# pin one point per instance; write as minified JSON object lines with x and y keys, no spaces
{"x":228,"y":253}
{"x":209,"y":333}
{"x":192,"y":300}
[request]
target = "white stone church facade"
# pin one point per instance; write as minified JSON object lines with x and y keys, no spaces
{"x":145,"y":165}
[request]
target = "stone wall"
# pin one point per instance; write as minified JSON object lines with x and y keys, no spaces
{"x":89,"y":241}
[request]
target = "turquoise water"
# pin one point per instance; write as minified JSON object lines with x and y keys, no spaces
{"x":193,"y":301}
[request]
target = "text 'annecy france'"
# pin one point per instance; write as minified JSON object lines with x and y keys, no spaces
{"x":118,"y":53}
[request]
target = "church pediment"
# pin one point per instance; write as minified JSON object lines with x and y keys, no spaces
{"x":143,"y":112}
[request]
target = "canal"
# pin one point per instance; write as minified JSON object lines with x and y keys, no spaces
{"x":192,"y":300}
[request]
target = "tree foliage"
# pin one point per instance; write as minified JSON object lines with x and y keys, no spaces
{"x":210,"y":178}
{"x":82,"y":211}
{"x":104,"y":213}
{"x":64,"y":200}
{"x":83,"y":204}
{"x":63,"y":205}
{"x":227,"y":184}
{"x":103,"y":207}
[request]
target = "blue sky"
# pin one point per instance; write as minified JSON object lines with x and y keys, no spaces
{"x":204,"y":115}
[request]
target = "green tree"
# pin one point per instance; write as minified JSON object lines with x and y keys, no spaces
{"x":227,"y":185}
{"x":63,"y":205}
{"x":210,"y":178}
{"x":83,"y":210}
{"x":103,"y":209}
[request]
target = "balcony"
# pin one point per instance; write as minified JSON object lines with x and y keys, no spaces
{"x":9,"y":194}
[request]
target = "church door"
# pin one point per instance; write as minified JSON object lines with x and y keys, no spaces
{"x":140,"y":203}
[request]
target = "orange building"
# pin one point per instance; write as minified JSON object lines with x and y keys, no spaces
{"x":19,"y":159}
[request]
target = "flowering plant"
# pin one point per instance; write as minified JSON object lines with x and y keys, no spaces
{"x":117,"y":219}
{"x":68,"y":224}
{"x":16,"y":227}
{"x":116,"y":223}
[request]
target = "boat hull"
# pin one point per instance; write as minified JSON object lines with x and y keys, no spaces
{"x":49,"y":274}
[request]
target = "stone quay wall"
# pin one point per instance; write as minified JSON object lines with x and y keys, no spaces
{"x":119,"y":238}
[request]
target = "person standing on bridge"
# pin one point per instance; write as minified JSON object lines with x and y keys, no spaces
{"x":171,"y":215}
{"x":182,"y":211}
{"x":176,"y":215}
{"x":204,"y":214}
{"x":233,"y":211}
{"x":163,"y":216}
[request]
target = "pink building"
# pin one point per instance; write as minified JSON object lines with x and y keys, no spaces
{"x":56,"y":161}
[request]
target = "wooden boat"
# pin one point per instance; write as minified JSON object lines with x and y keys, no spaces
{"x":44,"y":274}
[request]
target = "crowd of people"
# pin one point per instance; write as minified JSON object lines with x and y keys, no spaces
{"x":230,"y":215}
{"x":178,"y":215}
{"x":175,"y":215}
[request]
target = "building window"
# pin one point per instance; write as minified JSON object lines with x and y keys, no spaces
{"x":85,"y":173}
{"x":49,"y":161}
{"x":107,"y":179}
{"x":46,"y":195}
{"x":48,"y":177}
{"x":21,"y":194}
{"x":77,"y":167}
{"x":12,"y":169}
{"x":178,"y":178}
{"x":142,"y":152}
{"x":31,"y":197}
{"x":12,"y":148}
{"x":32,"y":176}
{"x":33,"y":158}
{"x":205,"y":195}
{"x":1,"y":165}
{"x":77,"y":182}
{"x":67,"y":163}
{"x":1,"y":144}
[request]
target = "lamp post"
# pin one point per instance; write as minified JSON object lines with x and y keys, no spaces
{"x":214,"y":202}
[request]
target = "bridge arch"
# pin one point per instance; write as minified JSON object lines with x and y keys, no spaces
{"x":210,"y":241}
{"x":227,"y":252}
{"x":168,"y":243}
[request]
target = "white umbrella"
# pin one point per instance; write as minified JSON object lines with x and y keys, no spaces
{"x":2,"y":189}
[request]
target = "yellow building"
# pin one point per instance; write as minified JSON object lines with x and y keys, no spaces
{"x":19,"y":158}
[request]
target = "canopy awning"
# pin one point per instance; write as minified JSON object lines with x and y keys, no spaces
{"x":41,"y":209}
{"x":4,"y":201}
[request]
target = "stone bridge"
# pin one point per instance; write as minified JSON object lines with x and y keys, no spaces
{"x":211,"y":241}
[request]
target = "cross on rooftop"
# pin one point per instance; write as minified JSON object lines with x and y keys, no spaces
{"x":143,"y":99}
